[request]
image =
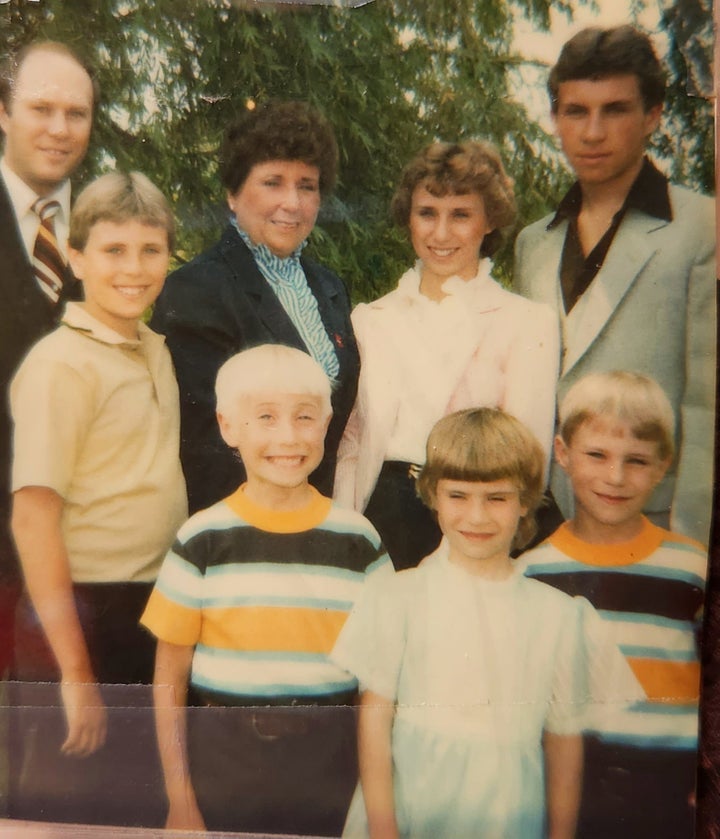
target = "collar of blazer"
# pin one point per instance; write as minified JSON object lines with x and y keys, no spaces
{"x":266,"y":305}
{"x":242,"y":263}
{"x":631,"y":250}
{"x":16,"y":265}
{"x":20,"y":295}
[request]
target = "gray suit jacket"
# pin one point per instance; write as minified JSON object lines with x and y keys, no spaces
{"x":651,"y":308}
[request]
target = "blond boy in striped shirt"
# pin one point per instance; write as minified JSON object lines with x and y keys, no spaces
{"x":615,"y":443}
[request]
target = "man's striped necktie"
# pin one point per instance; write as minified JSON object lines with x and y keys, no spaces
{"x":48,"y":262}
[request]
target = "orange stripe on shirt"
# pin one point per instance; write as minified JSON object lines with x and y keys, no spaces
{"x":169,"y":621}
{"x":668,"y":681}
{"x":272,"y":628}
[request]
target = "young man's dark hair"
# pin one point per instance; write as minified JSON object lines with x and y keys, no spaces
{"x":596,"y":53}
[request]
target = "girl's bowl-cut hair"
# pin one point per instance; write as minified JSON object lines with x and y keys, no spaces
{"x":486,"y":444}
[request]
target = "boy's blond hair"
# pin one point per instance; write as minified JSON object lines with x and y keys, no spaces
{"x":266,"y":368}
{"x":625,"y":396}
{"x":486,"y":444}
{"x":119,"y":197}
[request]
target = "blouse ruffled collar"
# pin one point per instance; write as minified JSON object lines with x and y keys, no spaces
{"x":454,"y":287}
{"x":264,"y":256}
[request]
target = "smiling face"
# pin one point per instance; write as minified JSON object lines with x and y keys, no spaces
{"x":281,"y":440}
{"x":446,"y":233}
{"x":47,"y":127}
{"x":122,"y":268}
{"x":278,"y":203}
{"x":613,"y":475}
{"x":479,"y":521}
{"x":603,"y":128}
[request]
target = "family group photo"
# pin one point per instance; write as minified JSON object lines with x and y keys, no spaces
{"x":357,"y":420}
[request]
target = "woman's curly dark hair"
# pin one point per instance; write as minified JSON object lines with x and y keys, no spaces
{"x":278,"y":131}
{"x":460,"y":169}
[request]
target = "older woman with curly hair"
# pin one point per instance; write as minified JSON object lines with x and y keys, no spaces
{"x":448,"y":337}
{"x":254,"y":286}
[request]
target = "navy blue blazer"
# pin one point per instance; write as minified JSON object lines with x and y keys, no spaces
{"x":26,"y":314}
{"x":220,"y":304}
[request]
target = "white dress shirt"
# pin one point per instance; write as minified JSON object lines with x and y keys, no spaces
{"x":23,"y":198}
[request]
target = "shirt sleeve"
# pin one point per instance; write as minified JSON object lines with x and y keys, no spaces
{"x":347,"y":461}
{"x":174,"y":610}
{"x":592,"y":679}
{"x":53,"y":408}
{"x":371,"y":645}
{"x":531,"y":374}
{"x":691,"y":509}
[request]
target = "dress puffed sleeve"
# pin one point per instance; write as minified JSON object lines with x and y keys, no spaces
{"x":371,"y":645}
{"x":612,"y":685}
{"x":592,"y":680}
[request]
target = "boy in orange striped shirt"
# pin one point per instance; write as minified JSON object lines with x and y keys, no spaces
{"x":615,"y":443}
{"x":246,"y":609}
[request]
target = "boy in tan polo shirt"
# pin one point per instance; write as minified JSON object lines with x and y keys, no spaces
{"x":98,"y":488}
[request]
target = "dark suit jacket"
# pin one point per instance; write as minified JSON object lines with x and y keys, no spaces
{"x":218,"y":305}
{"x":26,"y":314}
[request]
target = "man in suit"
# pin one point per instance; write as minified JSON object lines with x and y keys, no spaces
{"x":628,"y":259}
{"x":46,"y":105}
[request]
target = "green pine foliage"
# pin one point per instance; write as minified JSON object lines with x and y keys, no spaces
{"x":391,"y":75}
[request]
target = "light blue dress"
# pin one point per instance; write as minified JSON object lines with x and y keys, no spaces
{"x":478,"y":670}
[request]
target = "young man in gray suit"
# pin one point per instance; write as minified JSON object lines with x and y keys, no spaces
{"x":628,"y":259}
{"x":46,"y":105}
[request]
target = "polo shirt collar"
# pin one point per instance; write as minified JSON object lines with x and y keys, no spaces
{"x":76,"y":317}
{"x":649,"y":194}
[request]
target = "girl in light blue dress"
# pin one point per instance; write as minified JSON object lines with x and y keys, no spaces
{"x":475,"y":680}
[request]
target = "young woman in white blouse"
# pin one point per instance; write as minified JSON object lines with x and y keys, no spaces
{"x":448,"y":337}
